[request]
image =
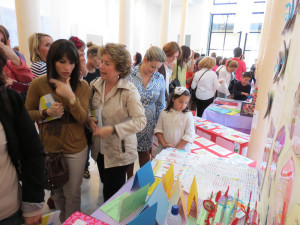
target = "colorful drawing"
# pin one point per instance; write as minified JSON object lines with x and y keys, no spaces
{"x":278,"y":146}
{"x":247,"y":109}
{"x":284,"y":190}
{"x":295,"y":124}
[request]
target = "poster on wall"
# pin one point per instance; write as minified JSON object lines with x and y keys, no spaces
{"x":295,"y":124}
{"x":278,"y":146}
{"x":283,"y":192}
{"x":267,"y":151}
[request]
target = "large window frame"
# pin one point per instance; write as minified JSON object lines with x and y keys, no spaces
{"x":230,"y":2}
{"x":220,"y":32}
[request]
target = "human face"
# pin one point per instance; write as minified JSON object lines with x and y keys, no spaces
{"x":172,"y":58}
{"x":81,"y":54}
{"x":245,"y":80}
{"x":150,"y":67}
{"x":46,"y":43}
{"x":231,"y":69}
{"x":2,"y":39}
{"x":64,"y":68}
{"x":108,"y":68}
{"x":179,"y":104}
{"x":94,"y":61}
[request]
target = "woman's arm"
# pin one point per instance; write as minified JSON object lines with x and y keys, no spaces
{"x":190,"y":67}
{"x":136,"y":118}
{"x":160,"y":104}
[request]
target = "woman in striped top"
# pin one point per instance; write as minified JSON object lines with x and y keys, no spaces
{"x":39,"y":45}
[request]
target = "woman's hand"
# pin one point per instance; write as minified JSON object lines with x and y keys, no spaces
{"x":9,"y":81}
{"x":56,"y":110}
{"x":221,"y":80}
{"x":63,"y":89}
{"x":92,"y":123}
{"x":34,"y":220}
{"x":103,"y":132}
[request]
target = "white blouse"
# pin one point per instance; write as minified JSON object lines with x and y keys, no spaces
{"x":225,"y":75}
{"x":175,"y":125}
{"x":207,"y":86}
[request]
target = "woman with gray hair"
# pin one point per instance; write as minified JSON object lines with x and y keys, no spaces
{"x":151,"y":86}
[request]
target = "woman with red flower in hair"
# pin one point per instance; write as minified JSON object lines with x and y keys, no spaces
{"x":80,"y":45}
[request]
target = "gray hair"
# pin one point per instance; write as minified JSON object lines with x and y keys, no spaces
{"x":155,"y":54}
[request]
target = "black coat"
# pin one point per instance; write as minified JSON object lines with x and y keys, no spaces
{"x":24,"y":146}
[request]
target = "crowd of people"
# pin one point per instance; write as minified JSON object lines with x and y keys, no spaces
{"x":108,"y":107}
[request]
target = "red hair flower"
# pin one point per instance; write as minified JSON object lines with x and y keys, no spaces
{"x":78,"y":43}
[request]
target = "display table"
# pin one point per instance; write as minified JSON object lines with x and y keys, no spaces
{"x":225,"y":172}
{"x":228,"y":138}
{"x":237,"y":122}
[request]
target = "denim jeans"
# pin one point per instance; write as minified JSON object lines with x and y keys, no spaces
{"x":15,"y":219}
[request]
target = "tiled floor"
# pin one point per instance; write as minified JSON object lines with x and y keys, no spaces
{"x":91,"y":191}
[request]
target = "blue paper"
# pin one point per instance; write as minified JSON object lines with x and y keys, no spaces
{"x":147,"y":217}
{"x":143,"y":176}
{"x":159,"y":196}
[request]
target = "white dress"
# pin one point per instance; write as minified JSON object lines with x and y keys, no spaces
{"x":175,"y":125}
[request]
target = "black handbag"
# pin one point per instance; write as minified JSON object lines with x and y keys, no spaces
{"x":56,"y":168}
{"x":175,"y":83}
{"x":193,"y":91}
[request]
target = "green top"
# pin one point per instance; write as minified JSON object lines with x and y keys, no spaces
{"x":181,"y":74}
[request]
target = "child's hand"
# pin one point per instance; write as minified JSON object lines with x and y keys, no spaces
{"x":244,"y":93}
{"x":168,"y":146}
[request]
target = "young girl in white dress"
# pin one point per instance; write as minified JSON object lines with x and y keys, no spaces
{"x":175,"y":126}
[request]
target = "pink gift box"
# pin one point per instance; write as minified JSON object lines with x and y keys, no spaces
{"x":81,"y":218}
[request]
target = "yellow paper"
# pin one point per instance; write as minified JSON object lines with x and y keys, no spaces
{"x":193,"y":195}
{"x":169,"y":179}
{"x":45,"y":220}
{"x":175,"y":194}
{"x":183,"y":201}
{"x":153,"y":186}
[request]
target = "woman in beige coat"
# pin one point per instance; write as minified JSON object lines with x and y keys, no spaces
{"x":119,"y":116}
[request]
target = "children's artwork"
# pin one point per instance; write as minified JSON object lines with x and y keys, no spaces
{"x":143,"y":176}
{"x":278,"y":145}
{"x":284,"y":190}
{"x":158,"y":197}
{"x":97,"y":114}
{"x":293,"y":218}
{"x":79,"y":218}
{"x":291,"y":15}
{"x":193,"y":196}
{"x":52,"y":218}
{"x":247,"y":109}
{"x":147,"y":217}
{"x":270,"y":103}
{"x":281,"y":63}
{"x":295,"y":124}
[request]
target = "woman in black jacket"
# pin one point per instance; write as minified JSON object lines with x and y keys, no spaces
{"x":21,"y":160}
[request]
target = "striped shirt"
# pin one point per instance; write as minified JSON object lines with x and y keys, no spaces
{"x":39,"y":68}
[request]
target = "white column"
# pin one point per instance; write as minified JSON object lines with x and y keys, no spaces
{"x":165,"y":19}
{"x":265,"y":71}
{"x":183,"y":21}
{"x":28,"y":22}
{"x":125,"y":25}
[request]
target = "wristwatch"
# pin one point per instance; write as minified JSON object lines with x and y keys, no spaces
{"x":72,"y":100}
{"x":44,"y":114}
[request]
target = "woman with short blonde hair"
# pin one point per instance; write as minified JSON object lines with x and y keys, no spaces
{"x":206,"y":83}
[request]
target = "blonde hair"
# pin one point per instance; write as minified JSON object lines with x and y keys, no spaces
{"x":35,"y":41}
{"x":207,"y":62}
{"x":232,"y":63}
{"x":119,"y":55}
{"x":155,"y":54}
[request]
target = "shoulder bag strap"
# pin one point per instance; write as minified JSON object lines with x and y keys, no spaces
{"x":200,"y":78}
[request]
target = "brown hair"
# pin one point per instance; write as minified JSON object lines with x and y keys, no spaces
{"x":170,"y":48}
{"x":119,"y":55}
{"x":5,"y":33}
{"x":232,"y":63}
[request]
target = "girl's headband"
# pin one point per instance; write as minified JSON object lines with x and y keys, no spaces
{"x":180,"y":90}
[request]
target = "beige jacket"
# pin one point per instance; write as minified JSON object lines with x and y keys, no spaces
{"x":123,"y":109}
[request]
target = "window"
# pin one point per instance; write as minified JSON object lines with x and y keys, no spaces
{"x":222,"y":40}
